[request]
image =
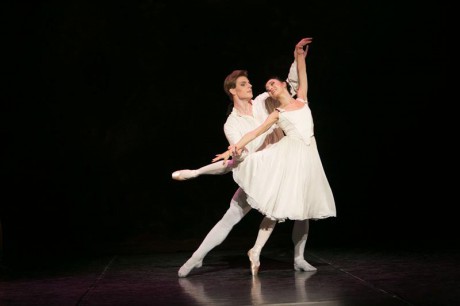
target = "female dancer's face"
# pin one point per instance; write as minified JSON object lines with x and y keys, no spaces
{"x":274,"y":87}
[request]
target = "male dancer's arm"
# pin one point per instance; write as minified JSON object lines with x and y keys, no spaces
{"x":261,"y":106}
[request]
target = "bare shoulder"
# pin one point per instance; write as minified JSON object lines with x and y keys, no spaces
{"x":301,"y":100}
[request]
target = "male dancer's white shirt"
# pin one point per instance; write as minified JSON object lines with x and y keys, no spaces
{"x":237,"y":125}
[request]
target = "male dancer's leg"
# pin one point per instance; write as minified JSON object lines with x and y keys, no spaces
{"x":299,"y":238}
{"x":237,"y":210}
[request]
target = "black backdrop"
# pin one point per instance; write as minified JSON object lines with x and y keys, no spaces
{"x":104,"y":99}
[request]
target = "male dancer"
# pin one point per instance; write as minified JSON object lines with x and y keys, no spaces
{"x":246,"y":115}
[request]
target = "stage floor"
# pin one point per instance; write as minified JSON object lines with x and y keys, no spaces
{"x":345,"y":276}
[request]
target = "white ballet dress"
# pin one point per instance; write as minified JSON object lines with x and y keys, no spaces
{"x":287,"y":179}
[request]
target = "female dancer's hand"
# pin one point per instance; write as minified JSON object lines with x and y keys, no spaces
{"x":299,"y":48}
{"x":225,"y":156}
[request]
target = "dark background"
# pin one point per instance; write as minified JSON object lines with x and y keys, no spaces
{"x":104,"y":99}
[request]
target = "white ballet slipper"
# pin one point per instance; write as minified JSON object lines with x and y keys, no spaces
{"x":187,"y":267}
{"x":303,"y":265}
{"x":182,"y":175}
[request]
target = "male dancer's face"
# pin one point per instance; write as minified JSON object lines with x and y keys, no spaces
{"x":243,"y":88}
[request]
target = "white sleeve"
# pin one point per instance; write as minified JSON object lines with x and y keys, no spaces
{"x":235,"y":129}
{"x":231,"y":132}
{"x":293,"y":79}
{"x":259,"y":111}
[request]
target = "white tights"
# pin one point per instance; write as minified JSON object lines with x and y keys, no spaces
{"x":265,"y":230}
{"x":299,"y":238}
{"x":237,"y":210}
{"x":217,"y":168}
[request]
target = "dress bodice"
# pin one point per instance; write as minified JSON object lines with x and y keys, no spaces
{"x":297,"y":123}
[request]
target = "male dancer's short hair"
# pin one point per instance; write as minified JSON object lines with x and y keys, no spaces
{"x":230,"y":81}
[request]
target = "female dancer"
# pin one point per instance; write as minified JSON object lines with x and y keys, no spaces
{"x":287,"y":179}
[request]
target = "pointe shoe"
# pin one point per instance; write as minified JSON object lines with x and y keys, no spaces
{"x":182,"y":175}
{"x":189,"y":266}
{"x":303,"y":265}
{"x":255,"y":263}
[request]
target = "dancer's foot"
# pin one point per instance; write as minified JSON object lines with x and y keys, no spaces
{"x":182,"y":175}
{"x":191,"y":264}
{"x":255,"y":262}
{"x":303,"y":265}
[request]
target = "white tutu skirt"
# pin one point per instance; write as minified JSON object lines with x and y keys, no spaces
{"x":287,"y":181}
